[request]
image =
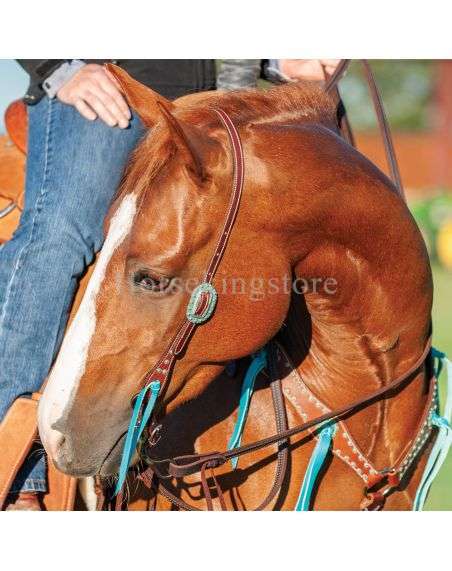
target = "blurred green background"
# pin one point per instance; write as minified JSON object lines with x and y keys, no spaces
{"x":440,"y":497}
{"x":417,"y":96}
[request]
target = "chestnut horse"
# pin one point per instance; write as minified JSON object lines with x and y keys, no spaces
{"x":313,"y":209}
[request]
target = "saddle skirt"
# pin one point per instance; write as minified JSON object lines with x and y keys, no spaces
{"x":12,"y":169}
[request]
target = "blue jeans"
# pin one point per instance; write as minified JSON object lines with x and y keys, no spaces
{"x":74,"y":167}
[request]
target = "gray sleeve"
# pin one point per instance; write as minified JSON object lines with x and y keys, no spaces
{"x":238,"y":74}
{"x":60,"y":76}
{"x":274,"y":74}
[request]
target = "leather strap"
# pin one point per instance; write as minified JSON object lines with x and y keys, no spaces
{"x":162,"y":369}
{"x":333,"y":81}
{"x":149,"y":476}
{"x":384,"y":128}
{"x":279,"y":406}
{"x":181,"y":466}
{"x":383,"y":124}
{"x":203,"y":299}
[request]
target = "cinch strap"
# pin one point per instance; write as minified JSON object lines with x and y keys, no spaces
{"x":258,"y":363}
{"x":136,"y":428}
{"x":315,"y":464}
{"x":444,"y":438}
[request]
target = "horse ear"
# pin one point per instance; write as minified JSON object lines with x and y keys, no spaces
{"x":141,"y":99}
{"x":189,"y":140}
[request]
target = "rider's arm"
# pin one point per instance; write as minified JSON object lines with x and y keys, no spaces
{"x":244,"y":73}
{"x":61,"y":76}
{"x":38,"y":70}
{"x":238,"y":74}
{"x":87,"y":87}
{"x":307,"y":69}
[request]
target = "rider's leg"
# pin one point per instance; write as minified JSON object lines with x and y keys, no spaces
{"x":74,"y":167}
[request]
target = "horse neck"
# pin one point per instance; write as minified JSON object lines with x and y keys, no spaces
{"x":375,"y":325}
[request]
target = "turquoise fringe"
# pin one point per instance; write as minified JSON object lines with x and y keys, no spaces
{"x":258,"y":363}
{"x":443,"y":440}
{"x":136,"y":428}
{"x":316,"y":462}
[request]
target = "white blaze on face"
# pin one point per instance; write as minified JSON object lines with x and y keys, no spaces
{"x":71,"y":361}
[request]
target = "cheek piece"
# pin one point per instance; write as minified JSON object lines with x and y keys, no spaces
{"x":199,"y":309}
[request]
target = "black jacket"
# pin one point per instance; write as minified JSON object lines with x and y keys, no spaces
{"x":170,"y":77}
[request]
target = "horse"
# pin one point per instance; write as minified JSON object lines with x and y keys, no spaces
{"x":313,"y":210}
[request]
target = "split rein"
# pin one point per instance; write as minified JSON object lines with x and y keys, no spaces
{"x":332,"y":85}
{"x":181,"y":466}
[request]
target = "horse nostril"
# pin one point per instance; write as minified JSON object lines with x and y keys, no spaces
{"x":55,"y":441}
{"x":62,"y":441}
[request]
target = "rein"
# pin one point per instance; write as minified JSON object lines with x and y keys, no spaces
{"x":383,"y":124}
{"x":151,"y":475}
{"x":186,"y":465}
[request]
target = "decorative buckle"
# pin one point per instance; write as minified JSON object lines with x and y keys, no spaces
{"x":382,"y":484}
{"x":202,"y":303}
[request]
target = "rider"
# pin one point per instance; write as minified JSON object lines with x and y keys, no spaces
{"x":80,"y":134}
{"x":244,"y":73}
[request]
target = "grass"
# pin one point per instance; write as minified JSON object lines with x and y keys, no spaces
{"x":440,"y":497}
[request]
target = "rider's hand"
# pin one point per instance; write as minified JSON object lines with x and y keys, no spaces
{"x":94,"y":93}
{"x":308,"y":69}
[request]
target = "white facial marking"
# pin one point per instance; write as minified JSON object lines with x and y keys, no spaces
{"x":70,"y":364}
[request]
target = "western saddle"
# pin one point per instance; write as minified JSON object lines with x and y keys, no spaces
{"x":18,"y":429}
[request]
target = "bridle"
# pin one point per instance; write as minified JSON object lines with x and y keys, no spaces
{"x":199,"y":309}
{"x":155,"y":382}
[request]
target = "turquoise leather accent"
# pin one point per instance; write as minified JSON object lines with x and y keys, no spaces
{"x":443,"y":440}
{"x":318,"y":457}
{"x":136,"y":428}
{"x":194,"y":300}
{"x":258,"y":363}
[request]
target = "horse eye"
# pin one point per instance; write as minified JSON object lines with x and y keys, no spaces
{"x":150,"y":283}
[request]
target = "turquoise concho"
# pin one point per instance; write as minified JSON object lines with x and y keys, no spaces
{"x":202,"y":303}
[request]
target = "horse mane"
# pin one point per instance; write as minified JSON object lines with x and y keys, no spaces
{"x":301,"y":102}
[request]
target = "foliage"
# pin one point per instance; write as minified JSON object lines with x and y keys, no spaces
{"x":406,"y":86}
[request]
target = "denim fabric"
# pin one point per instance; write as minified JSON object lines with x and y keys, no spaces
{"x":74,"y":167}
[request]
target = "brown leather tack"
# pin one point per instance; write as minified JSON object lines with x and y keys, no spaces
{"x":18,"y":431}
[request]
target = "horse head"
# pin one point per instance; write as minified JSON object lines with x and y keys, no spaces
{"x":159,"y":236}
